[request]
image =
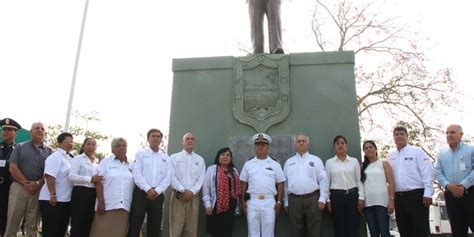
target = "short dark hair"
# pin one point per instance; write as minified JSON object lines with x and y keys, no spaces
{"x":63,"y":136}
{"x":220,"y":152}
{"x":337,"y":138}
{"x":152,"y":131}
{"x":400,"y":128}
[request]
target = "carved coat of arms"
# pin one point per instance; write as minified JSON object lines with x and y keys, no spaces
{"x":261,"y":90}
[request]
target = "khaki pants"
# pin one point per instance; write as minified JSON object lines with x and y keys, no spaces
{"x":22,"y":205}
{"x":184,"y":216}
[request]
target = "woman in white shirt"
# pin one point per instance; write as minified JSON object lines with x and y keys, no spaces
{"x":220,"y":193}
{"x":346,"y":190}
{"x":377,"y":177}
{"x":83,"y":174}
{"x":114,"y":193}
{"x":55,"y":195}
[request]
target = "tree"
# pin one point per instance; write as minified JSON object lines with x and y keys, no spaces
{"x":394,"y":80}
{"x":79,"y":133}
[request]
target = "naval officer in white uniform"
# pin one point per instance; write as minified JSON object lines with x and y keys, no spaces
{"x":262,"y":178}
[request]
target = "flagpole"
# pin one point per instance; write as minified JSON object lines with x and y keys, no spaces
{"x":76,"y":65}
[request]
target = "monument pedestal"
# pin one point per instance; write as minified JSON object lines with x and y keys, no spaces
{"x":224,"y":101}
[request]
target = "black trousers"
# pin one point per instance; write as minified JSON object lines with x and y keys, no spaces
{"x":222,"y":224}
{"x":55,"y":219}
{"x":412,"y":216}
{"x":82,"y":210}
{"x":460,"y":212}
{"x":4,"y":189}
{"x":345,"y":216}
{"x":141,"y":205}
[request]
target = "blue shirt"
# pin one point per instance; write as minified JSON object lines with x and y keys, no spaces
{"x":456,"y":166}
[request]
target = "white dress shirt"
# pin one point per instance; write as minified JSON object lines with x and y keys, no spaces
{"x":118,"y":183}
{"x":188,"y":170}
{"x":57,"y":166}
{"x":345,"y":174}
{"x":412,"y":169}
{"x":305,"y":174}
{"x":262,"y":175}
{"x":152,"y":170}
{"x":82,"y":170}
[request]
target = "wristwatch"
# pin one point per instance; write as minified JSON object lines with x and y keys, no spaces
{"x":278,"y":202}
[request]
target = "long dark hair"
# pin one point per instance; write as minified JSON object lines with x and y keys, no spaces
{"x":366,"y":162}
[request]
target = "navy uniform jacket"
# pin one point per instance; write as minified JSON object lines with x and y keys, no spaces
{"x":5,"y":152}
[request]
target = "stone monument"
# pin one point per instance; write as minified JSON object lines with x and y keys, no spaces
{"x":225,"y":100}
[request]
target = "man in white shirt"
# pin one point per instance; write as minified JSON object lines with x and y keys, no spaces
{"x":413,"y":173}
{"x":262,"y":179}
{"x":188,"y":170}
{"x":306,"y":190}
{"x":151,"y":173}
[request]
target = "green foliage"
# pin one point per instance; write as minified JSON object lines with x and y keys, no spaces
{"x":79,"y":133}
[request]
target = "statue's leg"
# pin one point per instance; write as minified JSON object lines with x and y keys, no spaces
{"x":256,"y":12}
{"x":274,"y":26}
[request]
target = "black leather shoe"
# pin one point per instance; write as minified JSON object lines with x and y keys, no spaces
{"x":278,"y":51}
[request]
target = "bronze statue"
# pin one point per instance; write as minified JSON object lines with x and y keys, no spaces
{"x":257,"y":10}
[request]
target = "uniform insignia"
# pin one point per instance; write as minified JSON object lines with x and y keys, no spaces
{"x":292,"y":164}
{"x":408,"y":158}
{"x":311,"y":164}
{"x":269,"y":168}
{"x":7,"y":121}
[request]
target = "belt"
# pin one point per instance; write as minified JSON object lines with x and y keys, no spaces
{"x":344,"y":191}
{"x":262,"y":196}
{"x":411,"y":192}
{"x":315,"y":192}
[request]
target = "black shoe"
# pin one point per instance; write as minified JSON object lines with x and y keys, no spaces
{"x":278,"y":51}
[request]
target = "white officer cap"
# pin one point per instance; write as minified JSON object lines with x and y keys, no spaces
{"x":261,"y":137}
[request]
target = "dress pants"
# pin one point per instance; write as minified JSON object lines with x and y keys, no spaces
{"x":257,"y":11}
{"x":141,"y":205}
{"x":412,"y":216}
{"x":261,"y":216}
{"x":82,"y":210}
{"x":305,"y":216}
{"x":183,"y":216}
{"x":222,"y":224}
{"x":346,"y":217}
{"x":4,"y":189}
{"x":22,"y":205}
{"x":54,"y":219}
{"x":461,"y":212}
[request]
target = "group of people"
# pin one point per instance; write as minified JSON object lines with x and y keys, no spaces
{"x":111,"y":198}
